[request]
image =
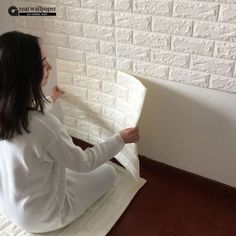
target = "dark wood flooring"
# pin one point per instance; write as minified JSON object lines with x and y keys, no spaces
{"x":172,"y":203}
{"x":176,"y":203}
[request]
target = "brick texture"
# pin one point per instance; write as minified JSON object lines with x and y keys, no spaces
{"x":186,"y":41}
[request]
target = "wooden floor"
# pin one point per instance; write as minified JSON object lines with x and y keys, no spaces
{"x":175,"y":203}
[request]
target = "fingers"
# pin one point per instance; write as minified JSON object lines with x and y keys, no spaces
{"x":56,"y":93}
{"x":57,"y":89}
{"x":134,"y":134}
{"x":130,"y":135}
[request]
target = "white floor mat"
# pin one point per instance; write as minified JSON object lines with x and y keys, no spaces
{"x":99,"y":218}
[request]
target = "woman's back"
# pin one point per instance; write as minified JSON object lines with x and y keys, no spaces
{"x":31,"y":183}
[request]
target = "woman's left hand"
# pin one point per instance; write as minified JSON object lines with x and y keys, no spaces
{"x":56,"y":93}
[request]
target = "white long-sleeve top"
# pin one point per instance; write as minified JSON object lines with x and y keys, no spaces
{"x":33,"y":190}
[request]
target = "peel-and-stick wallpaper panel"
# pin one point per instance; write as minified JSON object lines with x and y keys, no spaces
{"x":95,"y":116}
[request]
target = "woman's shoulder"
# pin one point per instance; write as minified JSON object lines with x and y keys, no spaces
{"x":43,"y":130}
{"x":45,"y":122}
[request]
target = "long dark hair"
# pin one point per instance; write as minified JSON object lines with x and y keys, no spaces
{"x":21,"y":74}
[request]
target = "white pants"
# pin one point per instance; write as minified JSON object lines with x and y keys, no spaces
{"x":85,"y":188}
{"x":82,"y":190}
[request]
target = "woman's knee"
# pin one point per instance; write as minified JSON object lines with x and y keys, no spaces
{"x":110,"y":173}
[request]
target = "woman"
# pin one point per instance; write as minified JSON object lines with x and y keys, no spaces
{"x":46,"y":182}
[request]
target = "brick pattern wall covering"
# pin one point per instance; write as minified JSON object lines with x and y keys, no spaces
{"x":192,"y":42}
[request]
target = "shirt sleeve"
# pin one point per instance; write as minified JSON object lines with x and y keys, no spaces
{"x":64,"y":151}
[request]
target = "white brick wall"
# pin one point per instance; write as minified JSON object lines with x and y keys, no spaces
{"x":187,"y":41}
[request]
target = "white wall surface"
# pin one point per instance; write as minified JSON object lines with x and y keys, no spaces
{"x":191,"y":128}
{"x":192,"y":42}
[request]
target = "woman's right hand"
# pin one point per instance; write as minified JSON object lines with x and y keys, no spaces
{"x":56,"y":93}
{"x":130,"y":135}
